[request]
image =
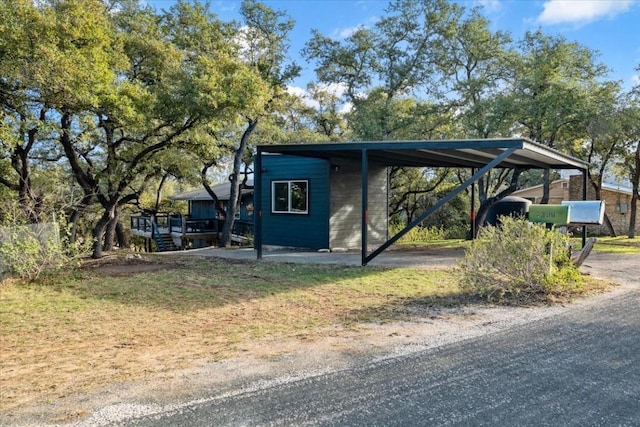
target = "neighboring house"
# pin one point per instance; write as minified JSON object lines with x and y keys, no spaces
{"x":558,"y":191}
{"x":314,"y":203}
{"x":617,"y":201}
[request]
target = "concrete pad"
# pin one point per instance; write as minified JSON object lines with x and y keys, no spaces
{"x":430,"y":258}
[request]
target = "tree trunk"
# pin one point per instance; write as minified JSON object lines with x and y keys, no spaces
{"x":110,"y":234}
{"x":98,"y":234}
{"x":489,"y":202}
{"x":121,"y":236}
{"x":73,"y":220}
{"x":633,"y":214}
{"x":102,"y":229}
{"x":597,"y":188}
{"x":635,"y":194}
{"x":234,"y":195}
{"x":159,"y":193}
{"x":546,"y":186}
{"x":75,"y":214}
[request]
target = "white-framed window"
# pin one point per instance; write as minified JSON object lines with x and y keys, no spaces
{"x":290,"y":197}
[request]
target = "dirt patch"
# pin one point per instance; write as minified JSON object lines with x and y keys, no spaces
{"x":113,"y":265}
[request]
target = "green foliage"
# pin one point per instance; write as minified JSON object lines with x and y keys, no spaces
{"x":518,"y":259}
{"x":418,"y":234}
{"x":29,"y":250}
{"x":457,"y":231}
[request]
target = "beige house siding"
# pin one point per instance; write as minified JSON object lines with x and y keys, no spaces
{"x":615,"y":204}
{"x":571,"y":189}
{"x":558,"y":191}
{"x":345,"y":210}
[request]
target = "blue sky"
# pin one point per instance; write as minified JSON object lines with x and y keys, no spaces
{"x":612,"y":27}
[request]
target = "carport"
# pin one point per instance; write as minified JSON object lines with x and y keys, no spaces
{"x":480,"y":156}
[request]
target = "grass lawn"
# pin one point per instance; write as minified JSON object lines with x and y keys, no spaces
{"x":621,"y":245}
{"x":116,"y":320}
{"x":98,"y":325}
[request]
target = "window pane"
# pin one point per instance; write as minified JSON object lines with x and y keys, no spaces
{"x":280,"y":196}
{"x":298,"y":196}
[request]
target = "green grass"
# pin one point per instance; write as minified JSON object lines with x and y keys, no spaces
{"x":77,"y":331}
{"x":436,"y":244}
{"x":619,"y":245}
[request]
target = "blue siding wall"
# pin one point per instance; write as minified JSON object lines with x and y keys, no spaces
{"x":202,"y":209}
{"x":205,"y":208}
{"x":296,"y":230}
{"x":246,"y":215}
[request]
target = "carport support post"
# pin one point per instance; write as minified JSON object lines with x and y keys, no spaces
{"x":472,"y":214}
{"x":257,"y":202}
{"x":584,"y":197}
{"x":453,"y":193}
{"x":364,"y":222}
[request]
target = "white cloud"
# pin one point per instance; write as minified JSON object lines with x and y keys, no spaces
{"x":635,"y":79}
{"x":297,"y":91}
{"x":336,"y":89}
{"x":581,"y":11}
{"x":491,"y":5}
{"x":346,"y":32}
{"x":304,"y":95}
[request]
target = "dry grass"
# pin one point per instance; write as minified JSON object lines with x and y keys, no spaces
{"x":112,"y":322}
{"x":119,"y":320}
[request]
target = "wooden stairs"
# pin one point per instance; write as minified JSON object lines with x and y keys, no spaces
{"x":164,"y":242}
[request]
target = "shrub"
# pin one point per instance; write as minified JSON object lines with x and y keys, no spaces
{"x":28,"y":250}
{"x":518,"y":259}
{"x":460,"y":231}
{"x":418,"y":234}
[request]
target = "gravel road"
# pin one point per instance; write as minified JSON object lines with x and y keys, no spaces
{"x":579,"y":368}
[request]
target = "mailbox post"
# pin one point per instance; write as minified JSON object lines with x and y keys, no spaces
{"x":549,"y":214}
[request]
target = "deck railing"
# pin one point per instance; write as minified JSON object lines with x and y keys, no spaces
{"x":145,"y":222}
{"x":185,"y":225}
{"x":141,"y":223}
{"x":243,"y":228}
{"x":200,"y":225}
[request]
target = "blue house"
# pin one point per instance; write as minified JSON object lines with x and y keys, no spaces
{"x":334,"y":195}
{"x":208,"y":219}
{"x":201,"y":206}
{"x":201,"y":226}
{"x":314,"y":203}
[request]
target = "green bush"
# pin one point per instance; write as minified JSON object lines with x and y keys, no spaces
{"x":519,"y":259}
{"x":28,"y":250}
{"x":460,"y":231}
{"x":418,"y":234}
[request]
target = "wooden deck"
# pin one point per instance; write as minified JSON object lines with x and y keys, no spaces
{"x":176,"y":232}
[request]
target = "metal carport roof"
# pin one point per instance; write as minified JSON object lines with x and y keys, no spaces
{"x":476,"y":154}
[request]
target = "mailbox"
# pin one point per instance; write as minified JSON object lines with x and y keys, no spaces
{"x":585,"y":212}
{"x":549,"y":214}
